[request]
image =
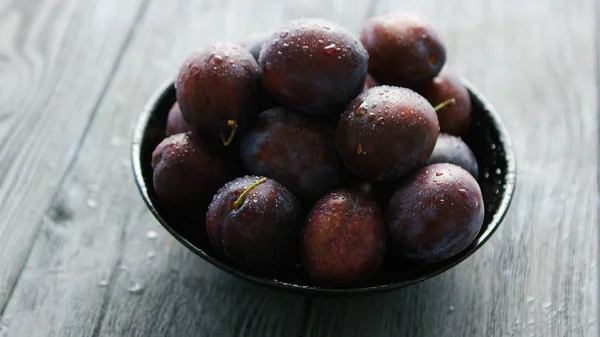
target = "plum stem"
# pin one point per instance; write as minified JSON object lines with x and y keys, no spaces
{"x":233,"y":126}
{"x":240,"y":200}
{"x":445,"y":104}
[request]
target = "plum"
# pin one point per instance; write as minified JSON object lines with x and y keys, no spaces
{"x":343,"y":241}
{"x":175,"y":122}
{"x":386,"y":132}
{"x":187,"y":171}
{"x":313,"y":66}
{"x":404,"y":49}
{"x":256,"y":222}
{"x":455,"y":119}
{"x":453,"y":150}
{"x":217,"y":89}
{"x":434,"y":214}
{"x":370,"y":82}
{"x":296,"y":150}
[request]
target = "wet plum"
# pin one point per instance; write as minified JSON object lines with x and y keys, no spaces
{"x":343,"y":241}
{"x":175,"y":122}
{"x":404,"y":49}
{"x":434,"y":214}
{"x":455,"y":119}
{"x":314,"y":66}
{"x":453,"y":150}
{"x":296,"y":150}
{"x":217,"y":89}
{"x":256,"y":222}
{"x":187,"y":172}
{"x":386,"y":132}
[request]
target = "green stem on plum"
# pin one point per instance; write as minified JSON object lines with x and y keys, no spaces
{"x":233,"y":126}
{"x":240,"y":200}
{"x":445,"y":104}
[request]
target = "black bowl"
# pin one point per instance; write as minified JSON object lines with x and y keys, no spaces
{"x":487,"y":137}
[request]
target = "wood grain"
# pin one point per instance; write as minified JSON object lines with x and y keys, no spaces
{"x":97,"y":270}
{"x":538,"y":275}
{"x":55,"y":60}
{"x":102,"y":251}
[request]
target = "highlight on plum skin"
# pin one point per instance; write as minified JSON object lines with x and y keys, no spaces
{"x":343,"y":241}
{"x":255,"y":221}
{"x":434,"y":214}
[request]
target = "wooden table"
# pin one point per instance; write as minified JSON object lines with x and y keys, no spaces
{"x":77,"y":252}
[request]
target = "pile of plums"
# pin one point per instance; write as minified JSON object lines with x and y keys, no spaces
{"x":317,"y":148}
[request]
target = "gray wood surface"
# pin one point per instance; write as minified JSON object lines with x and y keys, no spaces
{"x":56,"y":58}
{"x":78,"y":249}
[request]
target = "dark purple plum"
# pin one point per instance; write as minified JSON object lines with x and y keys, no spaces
{"x":386,"y":132}
{"x":343,"y":241}
{"x":217,"y":89}
{"x":175,"y":122}
{"x":314,"y":66}
{"x":404,"y":49}
{"x":453,"y":150}
{"x":370,"y":82}
{"x":455,"y":119}
{"x":434,"y":214}
{"x":256,"y":222}
{"x":187,"y":172}
{"x":296,"y":150}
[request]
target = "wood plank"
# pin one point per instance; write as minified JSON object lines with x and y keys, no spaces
{"x":55,"y":60}
{"x":487,"y":295}
{"x":98,"y":256}
{"x":538,"y":275}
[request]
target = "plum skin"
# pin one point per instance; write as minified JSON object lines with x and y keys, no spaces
{"x":313,"y":66}
{"x":453,"y":150}
{"x":296,"y":150}
{"x":175,"y":122}
{"x":434,"y":214}
{"x":187,"y":171}
{"x":262,"y":234}
{"x":404,"y":49}
{"x":343,"y":241}
{"x":386,"y":133}
{"x":454,"y":119}
{"x":218,"y":84}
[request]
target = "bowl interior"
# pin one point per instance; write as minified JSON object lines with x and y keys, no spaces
{"x":487,"y":138}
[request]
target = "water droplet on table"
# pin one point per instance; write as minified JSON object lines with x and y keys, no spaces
{"x":92,"y":203}
{"x":135,"y":288}
{"x":151,"y":235}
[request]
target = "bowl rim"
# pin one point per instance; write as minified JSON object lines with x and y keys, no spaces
{"x":511,"y":180}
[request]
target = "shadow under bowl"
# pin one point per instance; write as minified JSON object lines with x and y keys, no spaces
{"x":487,"y":138}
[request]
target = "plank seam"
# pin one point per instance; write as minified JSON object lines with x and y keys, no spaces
{"x":597,"y":60}
{"x":80,"y":141}
{"x":308,"y":305}
{"x":121,"y":248}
